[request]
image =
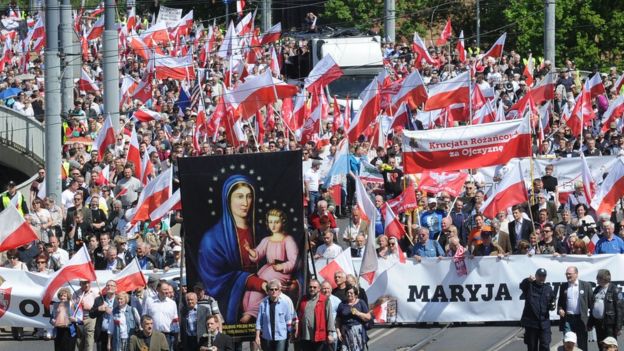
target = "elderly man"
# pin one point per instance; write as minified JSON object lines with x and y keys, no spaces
{"x":188,"y":323}
{"x":85,"y":298}
{"x":606,"y":314}
{"x":102,"y":312}
{"x":321,"y":211}
{"x":340,"y":278}
{"x":148,"y":338}
{"x":432,"y":218}
{"x":356,"y":226}
{"x":360,"y":245}
{"x":426,"y":247}
{"x":609,"y":243}
{"x":164,"y":311}
{"x":575,"y":299}
{"x":128,"y":187}
{"x":539,"y":300}
{"x":316,"y":319}
{"x":276,"y":318}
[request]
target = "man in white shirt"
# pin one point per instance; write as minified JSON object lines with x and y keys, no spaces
{"x":61,"y":256}
{"x":164,"y":313}
{"x":312,"y":179}
{"x":329,"y":250}
{"x":575,"y":299}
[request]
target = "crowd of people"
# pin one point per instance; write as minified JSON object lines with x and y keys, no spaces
{"x":99,"y":191}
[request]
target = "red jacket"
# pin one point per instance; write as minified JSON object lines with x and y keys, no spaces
{"x":320,"y":318}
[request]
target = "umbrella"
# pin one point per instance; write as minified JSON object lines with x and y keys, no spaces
{"x":9,"y":92}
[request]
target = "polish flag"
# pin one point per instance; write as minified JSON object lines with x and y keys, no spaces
{"x":367,"y":113}
{"x":380,"y":312}
{"x":478,"y":100}
{"x":174,"y":67}
{"x":103,"y":176}
{"x":173,"y":203}
{"x":618,"y":84}
{"x":146,"y":115}
{"x":446,"y":34}
{"x":274,"y":63}
{"x":392,"y":226}
{"x":253,"y":94}
{"x":342,"y":263}
{"x":155,"y":193}
{"x":143,"y":91}
{"x":615,"y":110}
{"x":230,"y":42}
{"x":435,"y":182}
{"x":98,"y":10}
{"x":130,"y":278}
{"x":400,"y":118}
{"x":589,"y":184}
{"x":595,"y":86}
{"x":240,"y":6}
{"x":244,"y":27}
{"x":301,"y":112}
{"x":97,"y":29}
{"x":156,"y":34}
{"x":496,"y":51}
{"x":528,"y":71}
{"x":509,"y":192}
{"x":138,"y":46}
{"x":486,"y":114}
{"x":451,"y":149}
{"x":338,"y":119}
{"x":368,"y":213}
{"x":444,"y":94}
{"x":404,"y":202}
{"x":104,"y":138}
{"x":128,"y":85}
{"x":133,"y":20}
{"x":325,"y":72}
{"x":134,"y":154}
{"x":147,"y":169}
{"x":412,"y":91}
{"x":78,"y":267}
{"x":611,"y":190}
{"x":500,"y":113}
{"x":591,"y":245}
{"x":273,"y":34}
{"x":544,"y":90}
{"x":14,"y":230}
{"x":420,"y":49}
{"x":581,"y":114}
{"x":87,"y":84}
{"x":461,"y":48}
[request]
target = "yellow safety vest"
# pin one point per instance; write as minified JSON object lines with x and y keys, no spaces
{"x":6,"y":201}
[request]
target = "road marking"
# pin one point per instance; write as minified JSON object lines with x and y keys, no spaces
{"x":508,"y":340}
{"x":382,"y":335}
{"x":428,"y":339}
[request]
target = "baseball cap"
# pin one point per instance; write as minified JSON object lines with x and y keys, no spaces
{"x":609,"y":341}
{"x":569,"y":337}
{"x":177,"y":248}
{"x":432,"y":200}
{"x":540,"y":272}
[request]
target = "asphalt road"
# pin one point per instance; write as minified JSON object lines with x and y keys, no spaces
{"x":484,"y":337}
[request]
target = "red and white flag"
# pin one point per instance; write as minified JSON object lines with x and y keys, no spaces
{"x":446,"y":34}
{"x":435,"y":182}
{"x":611,"y":190}
{"x":146,"y":115}
{"x":139,"y":47}
{"x":244,"y":27}
{"x":78,"y":267}
{"x":132,"y":21}
{"x":461,"y":48}
{"x":400,"y":118}
{"x":86,"y":84}
{"x":582,"y":114}
{"x":368,"y":213}
{"x":143,"y":91}
{"x":104,"y":138}
{"x":496,"y":51}
{"x":544,"y":90}
{"x":589,"y":184}
{"x":130,"y":278}
{"x":274,"y":64}
{"x":591,"y":245}
{"x":253,"y":94}
{"x":528,"y":70}
{"x":595,"y":86}
{"x":412,"y":91}
{"x":97,"y":29}
{"x":380,"y":312}
{"x":342,"y":263}
{"x":134,"y":154}
{"x":155,"y":193}
{"x":367,"y":113}
{"x":240,"y":6}
{"x":147,"y":169}
{"x":509,"y":192}
{"x":420,"y":49}
{"x":615,"y":110}
{"x":156,"y":34}
{"x":174,"y":67}
{"x":173,"y":203}
{"x":273,"y":34}
{"x":392,"y":226}
{"x":618,"y":84}
{"x":446,"y":93}
{"x":323,"y":73}
{"x":404,"y":202}
{"x":450,"y":149}
{"x":486,"y":114}
{"x":14,"y":230}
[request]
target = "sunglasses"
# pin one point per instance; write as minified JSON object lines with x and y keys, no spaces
{"x":41,"y":262}
{"x":12,"y":257}
{"x":273,"y":289}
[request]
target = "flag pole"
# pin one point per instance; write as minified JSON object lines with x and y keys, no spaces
{"x":469,"y":97}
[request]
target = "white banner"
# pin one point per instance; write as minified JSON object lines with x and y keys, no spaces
{"x":168,"y":15}
{"x":21,"y":292}
{"x":431,"y":291}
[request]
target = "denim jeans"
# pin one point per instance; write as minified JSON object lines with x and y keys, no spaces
{"x":274,"y":345}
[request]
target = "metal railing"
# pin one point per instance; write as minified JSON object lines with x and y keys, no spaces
{"x":22,"y":133}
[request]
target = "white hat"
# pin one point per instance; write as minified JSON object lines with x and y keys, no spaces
{"x":569,"y":337}
{"x":432,"y":200}
{"x":177,"y":248}
{"x":609,"y":341}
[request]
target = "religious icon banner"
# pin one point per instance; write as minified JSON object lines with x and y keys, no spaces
{"x":243,"y":227}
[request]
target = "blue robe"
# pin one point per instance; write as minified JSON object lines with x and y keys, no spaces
{"x":220,"y":265}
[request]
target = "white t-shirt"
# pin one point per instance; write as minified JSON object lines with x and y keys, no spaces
{"x":312,"y":179}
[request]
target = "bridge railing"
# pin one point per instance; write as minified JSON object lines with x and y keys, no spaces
{"x":22,"y":133}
